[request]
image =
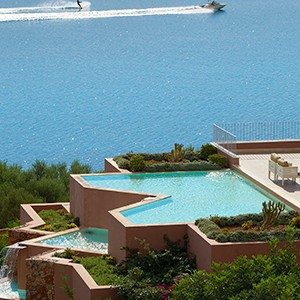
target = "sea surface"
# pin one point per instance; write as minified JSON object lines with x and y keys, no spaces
{"x":95,"y":87}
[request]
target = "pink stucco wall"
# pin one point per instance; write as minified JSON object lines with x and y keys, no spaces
{"x":259,"y":147}
{"x":208,"y":251}
{"x":77,"y":279}
{"x":121,"y":233}
{"x":92,"y":204}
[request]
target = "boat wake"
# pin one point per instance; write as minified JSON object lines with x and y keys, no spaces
{"x":47,"y":8}
{"x":72,"y":12}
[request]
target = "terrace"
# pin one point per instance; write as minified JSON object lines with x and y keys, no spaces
{"x":248,"y":147}
{"x":100,"y":208}
{"x":256,"y":167}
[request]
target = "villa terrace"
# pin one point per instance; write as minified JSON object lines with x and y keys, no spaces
{"x":256,"y":167}
{"x":248,"y":147}
{"x":100,"y":208}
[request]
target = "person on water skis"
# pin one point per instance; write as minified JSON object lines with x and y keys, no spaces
{"x":79,"y":3}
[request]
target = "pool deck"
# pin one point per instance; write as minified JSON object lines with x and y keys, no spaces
{"x":256,"y":166}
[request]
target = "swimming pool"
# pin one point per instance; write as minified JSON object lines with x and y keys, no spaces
{"x":193,"y":195}
{"x":87,"y":239}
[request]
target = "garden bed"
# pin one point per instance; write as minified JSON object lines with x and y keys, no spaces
{"x":57,"y":220}
{"x":247,"y":227}
{"x":178,"y":159}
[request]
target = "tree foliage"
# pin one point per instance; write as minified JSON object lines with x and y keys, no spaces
{"x":262,"y":277}
{"x":41,"y":183}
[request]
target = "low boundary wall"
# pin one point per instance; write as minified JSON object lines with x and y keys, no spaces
{"x":91,"y":204}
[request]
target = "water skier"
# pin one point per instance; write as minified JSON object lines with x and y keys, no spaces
{"x":78,"y":2}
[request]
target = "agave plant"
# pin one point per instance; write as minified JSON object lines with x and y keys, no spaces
{"x":271,"y":212}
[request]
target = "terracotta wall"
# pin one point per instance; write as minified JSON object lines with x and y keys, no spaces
{"x":265,"y":147}
{"x":207,"y":250}
{"x":116,"y":238}
{"x":120,"y":235}
{"x":110,"y":166}
{"x":91,"y":205}
{"x":75,"y":279}
{"x":52,"y":278}
{"x":258,"y":147}
{"x":29,"y":212}
{"x":200,"y":247}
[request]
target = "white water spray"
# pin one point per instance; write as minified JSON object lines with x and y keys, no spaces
{"x":8,"y":270}
{"x":72,"y":12}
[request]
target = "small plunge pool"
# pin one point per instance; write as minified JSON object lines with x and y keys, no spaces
{"x":9,"y":290}
{"x":93,"y":239}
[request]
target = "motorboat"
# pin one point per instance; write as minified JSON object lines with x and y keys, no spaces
{"x":214,"y":5}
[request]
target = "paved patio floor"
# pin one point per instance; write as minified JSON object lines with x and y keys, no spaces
{"x":256,"y":166}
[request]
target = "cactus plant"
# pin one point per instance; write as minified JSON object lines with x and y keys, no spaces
{"x":271,"y":212}
{"x":177,"y":153}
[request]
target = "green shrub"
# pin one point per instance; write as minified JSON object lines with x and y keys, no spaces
{"x":3,"y":241}
{"x":236,"y":220}
{"x":153,"y":156}
{"x":158,"y":266}
{"x":57,"y":220}
{"x":276,"y":287}
{"x":207,"y":226}
{"x":123,"y":163}
{"x":137,"y":163}
{"x":207,"y":150}
{"x":191,"y":154}
{"x":248,"y":225}
{"x":295,"y":221}
{"x":101,"y":268}
{"x":67,"y":254}
{"x":267,"y":277}
{"x":218,"y":159}
{"x":13,"y":223}
{"x":285,"y":217}
{"x":179,"y":159}
{"x":188,"y":286}
{"x":214,"y":228}
{"x":134,"y":286}
{"x":169,"y":167}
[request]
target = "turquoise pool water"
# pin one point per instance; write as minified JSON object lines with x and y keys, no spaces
{"x":193,"y":195}
{"x":9,"y":290}
{"x":87,"y":239}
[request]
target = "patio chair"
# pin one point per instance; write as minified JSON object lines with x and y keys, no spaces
{"x":273,"y":165}
{"x":286,"y":171}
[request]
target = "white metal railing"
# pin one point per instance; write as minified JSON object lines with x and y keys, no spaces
{"x":224,"y":138}
{"x":228,"y":134}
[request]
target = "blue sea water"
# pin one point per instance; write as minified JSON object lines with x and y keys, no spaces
{"x":88,"y":89}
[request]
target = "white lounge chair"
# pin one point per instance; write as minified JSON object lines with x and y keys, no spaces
{"x":273,"y":165}
{"x":273,"y":169}
{"x":287,"y":172}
